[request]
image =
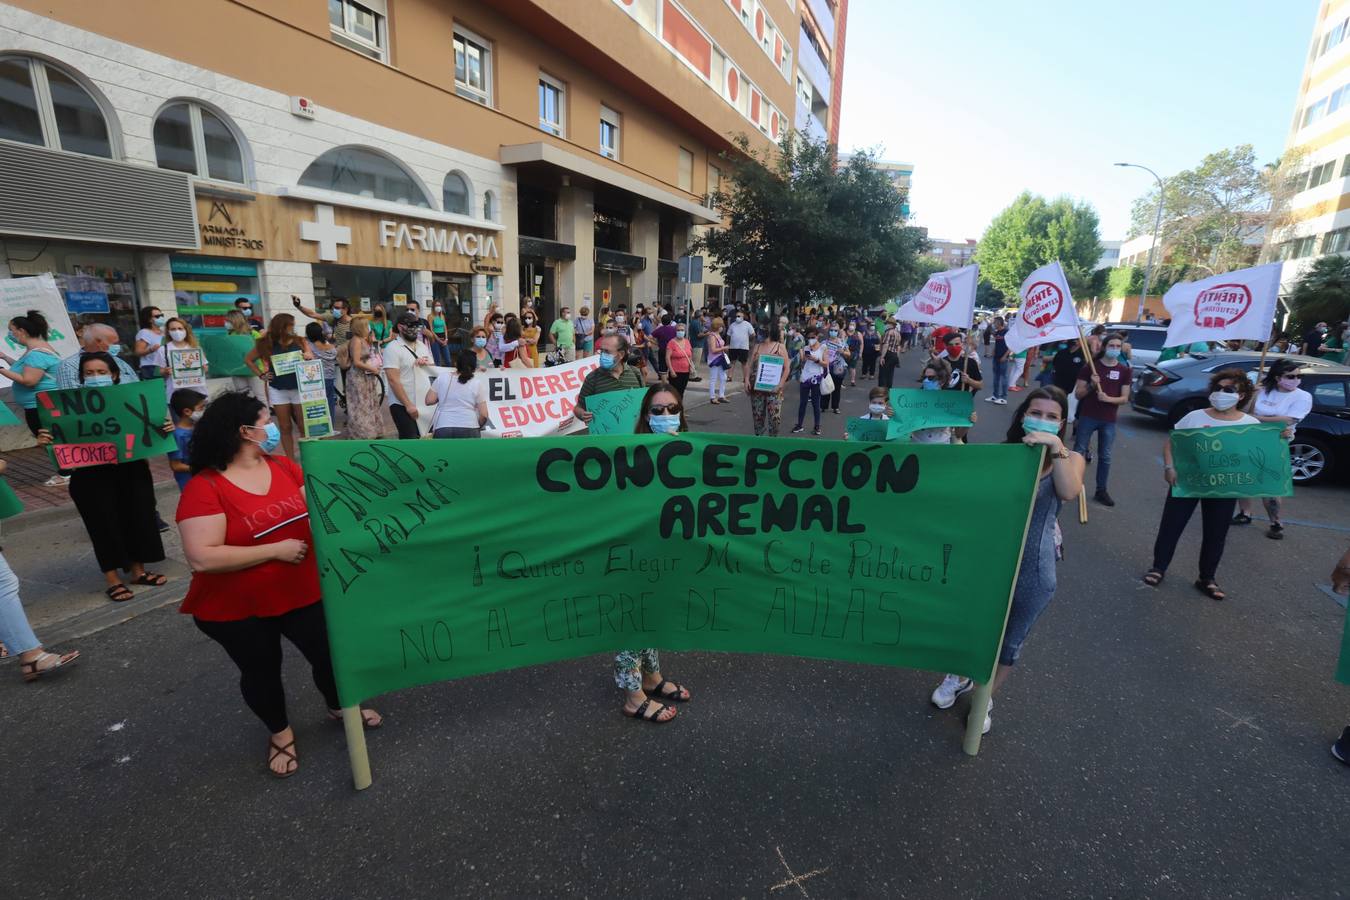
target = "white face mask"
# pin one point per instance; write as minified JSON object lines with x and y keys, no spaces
{"x":1223,"y":401}
{"x":178,"y":334}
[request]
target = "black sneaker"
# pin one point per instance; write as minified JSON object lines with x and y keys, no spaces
{"x":1103,"y":498}
{"x":1341,"y":749}
{"x":1276,"y":532}
{"x":797,"y":429}
{"x":1242,"y":519}
{"x":816,"y":432}
{"x":161,"y":524}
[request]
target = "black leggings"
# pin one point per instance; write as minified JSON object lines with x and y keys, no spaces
{"x":255,"y":646}
{"x":404,"y":422}
{"x":831,"y":400}
{"x":869,"y":364}
{"x":679,"y":381}
{"x":1215,"y":517}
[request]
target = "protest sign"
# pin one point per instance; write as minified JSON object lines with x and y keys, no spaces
{"x":10,"y":504}
{"x":861,"y":429}
{"x":915,"y":408}
{"x":1238,"y":461}
{"x":286,"y":363}
{"x":769,"y":372}
{"x":7,"y":416}
{"x":947,"y":298}
{"x":18,"y":296}
{"x":1343,"y":668}
{"x":93,"y":426}
{"x":709,"y":542}
{"x":187,"y":367}
{"x":534,"y":402}
{"x":615,"y":412}
{"x":1047,"y":314}
{"x":226,"y":352}
{"x":1229,"y":307}
{"x":314,"y":413}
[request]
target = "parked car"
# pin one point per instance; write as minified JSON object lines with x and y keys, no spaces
{"x":1171,"y":389}
{"x":1146,"y":341}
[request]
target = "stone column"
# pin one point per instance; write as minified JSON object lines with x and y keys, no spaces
{"x":576,"y":226}
{"x":646,"y":240}
{"x":279,"y":281}
{"x":156,"y":282}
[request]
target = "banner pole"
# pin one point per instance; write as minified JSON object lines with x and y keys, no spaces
{"x":979,"y":708}
{"x":355,"y":727}
{"x":1082,"y":506}
{"x":1261,"y":366}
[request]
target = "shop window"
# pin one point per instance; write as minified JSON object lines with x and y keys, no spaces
{"x":365,"y":173}
{"x":41,"y":104}
{"x":361,"y":26}
{"x":455,"y":194}
{"x":612,"y":230}
{"x":190,"y":138}
{"x":552,"y":105}
{"x":537,"y":213}
{"x":473,"y":67}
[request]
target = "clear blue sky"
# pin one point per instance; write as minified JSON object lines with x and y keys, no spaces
{"x":987,"y":98}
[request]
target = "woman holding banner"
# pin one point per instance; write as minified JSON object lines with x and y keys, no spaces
{"x":1280,"y":400}
{"x":460,"y":400}
{"x":180,"y":338}
{"x":1038,"y":422}
{"x":33,"y":370}
{"x":1229,"y":391}
{"x":478,"y":340}
{"x":246,"y":535}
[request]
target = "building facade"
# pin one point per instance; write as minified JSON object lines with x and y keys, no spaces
{"x":954,"y":253}
{"x":383,"y":150}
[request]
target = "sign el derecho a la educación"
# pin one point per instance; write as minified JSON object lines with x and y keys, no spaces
{"x":692,"y":542}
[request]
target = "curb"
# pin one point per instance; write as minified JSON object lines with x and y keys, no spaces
{"x":105,"y":617}
{"x":67,"y":510}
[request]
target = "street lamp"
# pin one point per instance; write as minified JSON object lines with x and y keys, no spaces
{"x":1157,"y":223}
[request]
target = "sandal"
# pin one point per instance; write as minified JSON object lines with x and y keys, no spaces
{"x":274,"y":750}
{"x":679,"y":693}
{"x":1210,"y":589}
{"x":152,"y":579}
{"x":1242,"y":519}
{"x":119,"y":593}
{"x":656,"y":709}
{"x":1153,"y":577}
{"x":33,"y":669}
{"x":369,"y":718}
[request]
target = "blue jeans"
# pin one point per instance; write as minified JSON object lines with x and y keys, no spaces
{"x":1106,"y":437}
{"x":330,"y":388}
{"x":15,"y":632}
{"x":1000,"y":380}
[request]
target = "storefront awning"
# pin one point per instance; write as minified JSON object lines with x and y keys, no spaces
{"x":540,"y":152}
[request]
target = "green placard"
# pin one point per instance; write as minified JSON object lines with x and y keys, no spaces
{"x":891,"y":307}
{"x":861,"y":429}
{"x":314,"y":414}
{"x":226,"y":352}
{"x":286,"y":363}
{"x":95,"y":426}
{"x":697,"y":542}
{"x":1343,"y":668}
{"x":10,"y":504}
{"x":915,"y":408}
{"x":7,"y":416}
{"x":615,"y":412}
{"x":769,"y":372}
{"x":1226,"y":462}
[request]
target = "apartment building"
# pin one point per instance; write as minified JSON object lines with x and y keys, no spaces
{"x":820,"y":67}
{"x":181,"y":155}
{"x":954,"y":253}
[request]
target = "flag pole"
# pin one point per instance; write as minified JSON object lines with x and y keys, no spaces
{"x":355,"y":726}
{"x":1092,"y":367}
{"x":979,"y":708}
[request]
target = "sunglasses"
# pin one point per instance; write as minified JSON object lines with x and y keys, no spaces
{"x":1226,"y":389}
{"x":664,"y":409}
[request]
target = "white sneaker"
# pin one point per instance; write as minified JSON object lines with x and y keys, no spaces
{"x":57,"y":481}
{"x":988,"y":721}
{"x":990,"y":399}
{"x":1001,"y":401}
{"x":952,"y":686}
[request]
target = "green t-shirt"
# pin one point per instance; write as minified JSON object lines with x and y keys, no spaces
{"x":564,"y":335}
{"x":602,"y":382}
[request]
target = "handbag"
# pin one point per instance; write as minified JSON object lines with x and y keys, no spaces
{"x":826,"y":385}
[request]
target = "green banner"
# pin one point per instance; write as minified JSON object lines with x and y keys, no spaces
{"x":1343,"y":668}
{"x":226,"y":352}
{"x":915,"y":408}
{"x":689,"y":542}
{"x":7,"y":416}
{"x":10,"y":504}
{"x":616,"y":412}
{"x":1238,"y":461}
{"x":95,"y":426}
{"x":860,"y":429}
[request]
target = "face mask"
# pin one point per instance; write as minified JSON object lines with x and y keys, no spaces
{"x":667,"y":424}
{"x":834,"y":332}
{"x":497,"y":326}
{"x":246,"y":310}
{"x":272,"y":437}
{"x":411,"y":332}
{"x":953,"y":349}
{"x":620,"y":319}
{"x":98,"y":381}
{"x":196,"y":415}
{"x":178,"y":334}
{"x":740,"y":319}
{"x":1112,"y":353}
{"x":480,"y":342}
{"x":528,"y":321}
{"x":607,"y":360}
{"x":1029,"y":425}
{"x":337,"y":315}
{"x":876,"y":409}
{"x":160,"y":320}
{"x":115,"y":349}
{"x":679,"y":333}
{"x":1290,"y":384}
{"x":815,"y":341}
{"x":1222,"y":400}
{"x":438,"y":310}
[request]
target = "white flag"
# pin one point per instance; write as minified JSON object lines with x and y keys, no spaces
{"x":947,"y":298}
{"x":1047,"y":314}
{"x":1233,"y":306}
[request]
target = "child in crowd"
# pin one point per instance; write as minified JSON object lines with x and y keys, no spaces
{"x":878,"y":406}
{"x":187,"y":406}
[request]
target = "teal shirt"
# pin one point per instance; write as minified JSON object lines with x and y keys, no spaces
{"x":35,"y":359}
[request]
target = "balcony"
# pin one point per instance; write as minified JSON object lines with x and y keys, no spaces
{"x":824,"y":16}
{"x":812,"y":66}
{"x":808,"y":124}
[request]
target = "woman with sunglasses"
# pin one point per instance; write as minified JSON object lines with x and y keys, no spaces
{"x":638,"y":672}
{"x":1229,"y":391}
{"x":1279,"y":400}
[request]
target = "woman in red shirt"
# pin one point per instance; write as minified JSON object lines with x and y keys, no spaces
{"x":245,"y":532}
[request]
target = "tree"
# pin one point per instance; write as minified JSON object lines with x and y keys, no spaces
{"x":1322,"y":294}
{"x":987,"y":296}
{"x":800,"y":227}
{"x":1213,"y":215}
{"x":1032,"y":232}
{"x":925,"y":267}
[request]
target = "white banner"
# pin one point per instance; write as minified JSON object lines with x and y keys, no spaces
{"x":1047,"y":314}
{"x":534,"y":402}
{"x":947,"y":298}
{"x":1234,"y":306}
{"x":18,"y":296}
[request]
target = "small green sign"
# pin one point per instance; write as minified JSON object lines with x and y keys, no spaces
{"x":95,"y":426}
{"x":615,"y":412}
{"x":10,"y":504}
{"x":1234,"y":461}
{"x":915,"y":409}
{"x":862,"y":429}
{"x":7,"y":416}
{"x":226,"y":352}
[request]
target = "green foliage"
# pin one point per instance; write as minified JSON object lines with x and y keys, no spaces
{"x":1128,"y":281}
{"x":801,"y":227}
{"x":1322,"y":294}
{"x":1032,"y":232}
{"x":987,"y":296}
{"x":925,"y":267}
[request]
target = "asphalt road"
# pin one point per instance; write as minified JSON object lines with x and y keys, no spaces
{"x":1152,"y":743}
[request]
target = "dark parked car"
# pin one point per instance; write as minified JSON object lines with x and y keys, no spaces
{"x":1171,"y":389}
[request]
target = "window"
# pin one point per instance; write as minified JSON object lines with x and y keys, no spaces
{"x":609,"y":132}
{"x":552,"y":105}
{"x":490,"y":206}
{"x":1320,"y":175}
{"x":1334,"y":36}
{"x":40,"y":104}
{"x":686,"y":170}
{"x":612,"y":230}
{"x":473,"y":67}
{"x":190,"y":138}
{"x":714,"y":183}
{"x":1298,"y":247}
{"x":1336,"y":241}
{"x":1345,"y":167}
{"x":1297,"y":183}
{"x":1315,"y":112}
{"x":360,"y":26}
{"x":364,"y":173}
{"x":455,"y":194}
{"x":1329,"y":392}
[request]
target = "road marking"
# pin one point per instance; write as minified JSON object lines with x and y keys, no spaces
{"x":1238,"y":720}
{"x":795,"y":880}
{"x":117,"y":726}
